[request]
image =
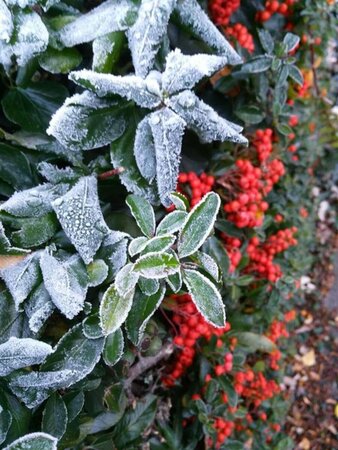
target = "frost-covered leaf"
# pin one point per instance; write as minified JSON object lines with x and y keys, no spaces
{"x":257,"y":64}
{"x":296,"y":74}
{"x":145,"y":93}
{"x":74,"y":403}
{"x":6,"y":247}
{"x":143,"y":213}
{"x":157,"y":265}
{"x":17,"y":353}
{"x":184,"y":71}
{"x":198,"y":224}
{"x":114,"y":252}
{"x":73,"y":359}
{"x":216,"y":249}
{"x":126,"y":280}
{"x":175,"y":282}
{"x":137,"y":245}
{"x":91,"y":327}
{"x":122,"y":155}
{"x":45,"y":4}
{"x":171,"y":223}
{"x":97,"y":272}
{"x":148,"y":286}
{"x":85,"y":122}
{"x":266,"y":40}
{"x":167,"y":128}
{"x":11,"y":321}
{"x":113,"y":348}
{"x":159,"y":244}
{"x":34,"y":202}
{"x":114,"y":309}
{"x":34,"y":441}
{"x":21,"y":278}
{"x":6,"y":22}
{"x":146,"y":35}
{"x":60,"y":61}
{"x":208,"y":264}
{"x":204,"y":120}
{"x":205,"y":296}
{"x":31,"y":36}
{"x":111,"y":15}
{"x":144,"y":150}
{"x":180,"y":201}
{"x":143,"y":308}
{"x":106,"y":51}
{"x":81,"y":218}
{"x":55,"y":175}
{"x":66,"y":282}
{"x":291,"y":41}
{"x":55,"y":416}
{"x":35,"y":231}
{"x":192,"y":15}
{"x":38,"y":308}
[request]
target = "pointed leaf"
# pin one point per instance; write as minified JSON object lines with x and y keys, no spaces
{"x":81,"y":218}
{"x":208,"y":264}
{"x":5,"y":422}
{"x":146,"y":35}
{"x":93,"y":122}
{"x":296,"y":74}
{"x":175,"y":282}
{"x":291,"y":41}
{"x":34,"y":441}
{"x":184,"y":71}
{"x":159,"y":244}
{"x":66,"y":283}
{"x":198,"y":224}
{"x":126,"y":280}
{"x":142,"y":310}
{"x":38,"y":308}
{"x":112,"y":15}
{"x":107,"y":51}
{"x":17,"y":353}
{"x":114,"y":309}
{"x":113,"y":348}
{"x":171,"y":223}
{"x":180,"y":201}
{"x":60,"y":61}
{"x":143,"y":213}
{"x":137,"y":245}
{"x":167,"y":128}
{"x":55,"y":416}
{"x":145,"y":93}
{"x":204,"y":120}
{"x":157,"y":265}
{"x":205,"y":296}
{"x":144,"y":150}
{"x":74,"y":403}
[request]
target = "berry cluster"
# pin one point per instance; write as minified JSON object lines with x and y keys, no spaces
{"x":247,"y":209}
{"x":232,"y":246}
{"x":195,"y":186}
{"x":241,"y":34}
{"x":293,"y":120}
{"x":263,"y":144}
{"x":273,"y":7}
{"x":222,"y":10}
{"x":224,"y":429}
{"x":262,"y":254}
{"x":254,"y":387}
{"x":192,"y":326}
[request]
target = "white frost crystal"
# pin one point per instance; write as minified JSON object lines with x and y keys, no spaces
{"x":81,"y":218}
{"x":17,"y":353}
{"x":111,"y":15}
{"x":64,"y":283}
{"x":184,"y":71}
{"x":102,"y":47}
{"x":146,"y":35}
{"x":6,"y":22}
{"x":130,"y":87}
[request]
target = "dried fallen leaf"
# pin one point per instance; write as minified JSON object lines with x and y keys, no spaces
{"x":309,"y":359}
{"x":304,"y":444}
{"x":7,"y":261}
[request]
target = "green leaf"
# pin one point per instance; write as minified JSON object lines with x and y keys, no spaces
{"x":208,"y":264}
{"x":21,"y":416}
{"x":159,"y":244}
{"x":137,"y":245}
{"x":198,"y":224}
{"x":34,"y":441}
{"x":55,"y":416}
{"x":32,"y":107}
{"x":253,"y":342}
{"x":143,"y":213}
{"x":113,"y":348}
{"x":171,"y":223}
{"x":284,"y":129}
{"x":228,"y":388}
{"x":97,"y":272}
{"x":34,"y":232}
{"x":134,"y":422}
{"x":250,"y":114}
{"x":107,"y":51}
{"x":257,"y":64}
{"x":74,"y":402}
{"x":175,"y":282}
{"x":5,"y":423}
{"x":296,"y":74}
{"x":157,"y":265}
{"x":180,"y":201}
{"x":266,"y":40}
{"x":10,"y":318}
{"x":60,"y":61}
{"x":290,"y":41}
{"x":148,"y":286}
{"x":143,"y":308}
{"x":205,"y":296}
{"x":114,"y":309}
{"x":15,"y":168}
{"x":126,"y":279}
{"x":91,"y":327}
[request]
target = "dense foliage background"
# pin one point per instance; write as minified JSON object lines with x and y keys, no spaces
{"x":163,"y":165}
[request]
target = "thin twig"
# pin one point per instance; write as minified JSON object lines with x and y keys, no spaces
{"x":110,"y":173}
